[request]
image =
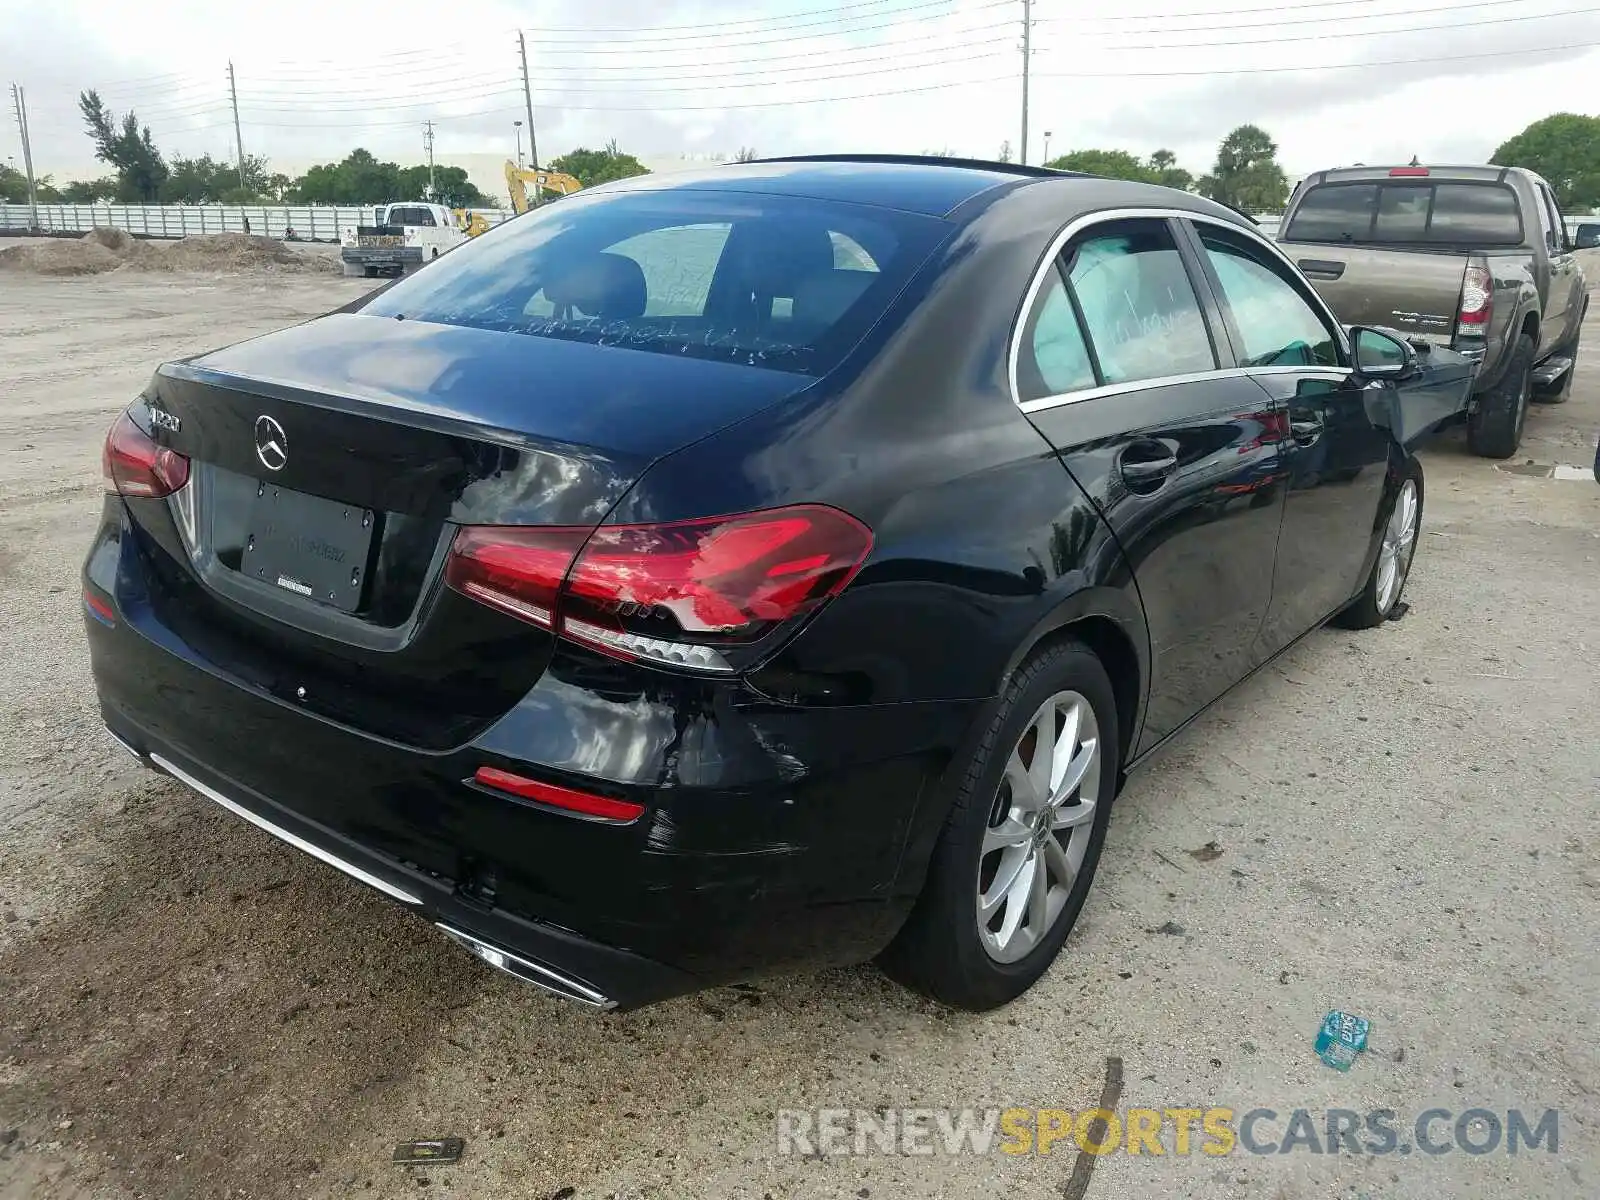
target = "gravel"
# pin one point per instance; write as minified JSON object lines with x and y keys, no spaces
{"x":1399,"y":823}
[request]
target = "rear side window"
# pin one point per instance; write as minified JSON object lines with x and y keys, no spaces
{"x":1138,"y":305}
{"x":1408,"y":211}
{"x":1125,"y":311}
{"x":777,"y":281}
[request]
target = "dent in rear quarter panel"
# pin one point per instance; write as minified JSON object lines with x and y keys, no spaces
{"x":982,"y":541}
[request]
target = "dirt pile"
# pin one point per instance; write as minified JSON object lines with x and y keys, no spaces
{"x":108,"y":249}
{"x":119,"y":240}
{"x":60,"y":258}
{"x":225,"y":252}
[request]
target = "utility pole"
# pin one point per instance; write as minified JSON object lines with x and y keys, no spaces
{"x":427,"y":140}
{"x":20,"y":103}
{"x":1027,"y":63}
{"x":238,"y":138}
{"x":527,"y":95}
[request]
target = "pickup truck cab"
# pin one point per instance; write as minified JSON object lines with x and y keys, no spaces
{"x":402,"y":238}
{"x":1474,"y":258}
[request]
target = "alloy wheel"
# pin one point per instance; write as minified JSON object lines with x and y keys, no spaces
{"x":1399,"y":544}
{"x":1039,"y":827}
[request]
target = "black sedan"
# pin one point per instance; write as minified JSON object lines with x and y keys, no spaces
{"x":716,"y":573}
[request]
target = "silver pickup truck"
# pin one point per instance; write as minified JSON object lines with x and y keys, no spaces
{"x":1472,"y":258}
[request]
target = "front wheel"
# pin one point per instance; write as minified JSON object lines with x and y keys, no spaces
{"x":1387,"y":579}
{"x":1020,"y":845}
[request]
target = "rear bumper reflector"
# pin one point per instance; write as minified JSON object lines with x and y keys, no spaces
{"x":583,"y":804}
{"x":299,"y":843}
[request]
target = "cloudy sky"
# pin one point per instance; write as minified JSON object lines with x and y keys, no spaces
{"x":1333,"y":82}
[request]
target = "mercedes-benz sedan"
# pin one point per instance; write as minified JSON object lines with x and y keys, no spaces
{"x":715,"y":573}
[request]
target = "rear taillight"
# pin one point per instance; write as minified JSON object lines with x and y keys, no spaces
{"x":1408,"y":172}
{"x":517,"y":569}
{"x":682,"y":594}
{"x":135,"y":465}
{"x":1477,"y":298}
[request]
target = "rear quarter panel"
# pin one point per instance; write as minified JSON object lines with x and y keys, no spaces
{"x":981,"y":537}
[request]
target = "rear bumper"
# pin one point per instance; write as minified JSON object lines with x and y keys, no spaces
{"x":576,"y":969}
{"x":773,"y":837}
{"x":382,"y":256}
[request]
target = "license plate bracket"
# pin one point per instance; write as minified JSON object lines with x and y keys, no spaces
{"x":310,"y":546}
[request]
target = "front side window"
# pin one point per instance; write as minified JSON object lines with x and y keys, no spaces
{"x":1139,"y":309}
{"x":1277,"y":324}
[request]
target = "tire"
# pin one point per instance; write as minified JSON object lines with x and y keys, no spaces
{"x":995,"y":829}
{"x":1381,"y":592}
{"x":1494,"y":428}
{"x":1561,"y":391}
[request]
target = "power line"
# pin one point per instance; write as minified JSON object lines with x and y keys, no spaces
{"x":1323,"y":37}
{"x":1392,"y":62}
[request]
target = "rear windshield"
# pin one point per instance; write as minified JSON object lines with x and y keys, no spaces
{"x":776,"y":281}
{"x":1409,"y":211}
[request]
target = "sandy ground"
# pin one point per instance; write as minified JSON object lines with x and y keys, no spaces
{"x":1406,"y":821}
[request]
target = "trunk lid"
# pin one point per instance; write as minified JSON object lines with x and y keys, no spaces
{"x":1417,"y":292}
{"x":330,"y":466}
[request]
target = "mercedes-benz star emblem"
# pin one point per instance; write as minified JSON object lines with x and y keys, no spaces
{"x":272,"y":445}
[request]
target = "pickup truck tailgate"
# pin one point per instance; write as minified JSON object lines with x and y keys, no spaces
{"x":1417,"y":292}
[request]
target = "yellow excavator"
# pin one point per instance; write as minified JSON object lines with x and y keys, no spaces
{"x":518,"y":179}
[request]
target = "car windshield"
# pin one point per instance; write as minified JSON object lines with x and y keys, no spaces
{"x":777,"y":281}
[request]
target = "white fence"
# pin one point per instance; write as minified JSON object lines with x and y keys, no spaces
{"x":320,"y":223}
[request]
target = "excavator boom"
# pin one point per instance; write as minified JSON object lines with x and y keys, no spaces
{"x":518,"y":179}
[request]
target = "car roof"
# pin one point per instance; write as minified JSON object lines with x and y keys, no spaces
{"x":926,"y":184}
{"x":919,"y":184}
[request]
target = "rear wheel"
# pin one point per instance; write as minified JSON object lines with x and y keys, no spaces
{"x":1494,"y":428}
{"x":1399,"y":545}
{"x":1023,"y":837}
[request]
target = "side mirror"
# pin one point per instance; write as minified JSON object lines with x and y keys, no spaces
{"x":1588,"y":237}
{"x":1382,"y":355}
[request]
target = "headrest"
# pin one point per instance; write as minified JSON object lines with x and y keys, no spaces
{"x":823,"y":298}
{"x":600,"y":285}
{"x":777,"y":257}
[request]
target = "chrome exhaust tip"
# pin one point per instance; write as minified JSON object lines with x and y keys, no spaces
{"x":540,"y":976}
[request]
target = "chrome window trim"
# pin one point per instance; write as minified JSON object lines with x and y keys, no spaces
{"x":1105,"y":216}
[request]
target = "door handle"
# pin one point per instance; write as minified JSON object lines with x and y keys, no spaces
{"x":1306,"y":432}
{"x":1321,"y":268}
{"x":1148,"y":471}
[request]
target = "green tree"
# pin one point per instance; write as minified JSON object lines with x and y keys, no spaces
{"x":1247,"y":175}
{"x":1164,"y":167}
{"x":14,"y":187}
{"x":358,"y":179}
{"x":127,"y":146}
{"x":1565,"y":149}
{"x":207,"y":180}
{"x":451,"y":186}
{"x":591,"y":167}
{"x":1111,"y":164}
{"x":90,"y":191}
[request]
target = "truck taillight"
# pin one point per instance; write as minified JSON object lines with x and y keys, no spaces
{"x":1477,"y":299}
{"x":134,"y":464}
{"x":681,"y":594}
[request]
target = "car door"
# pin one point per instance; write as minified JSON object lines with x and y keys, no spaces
{"x":1118,"y":368}
{"x":1338,"y":438}
{"x":1563,"y":291}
